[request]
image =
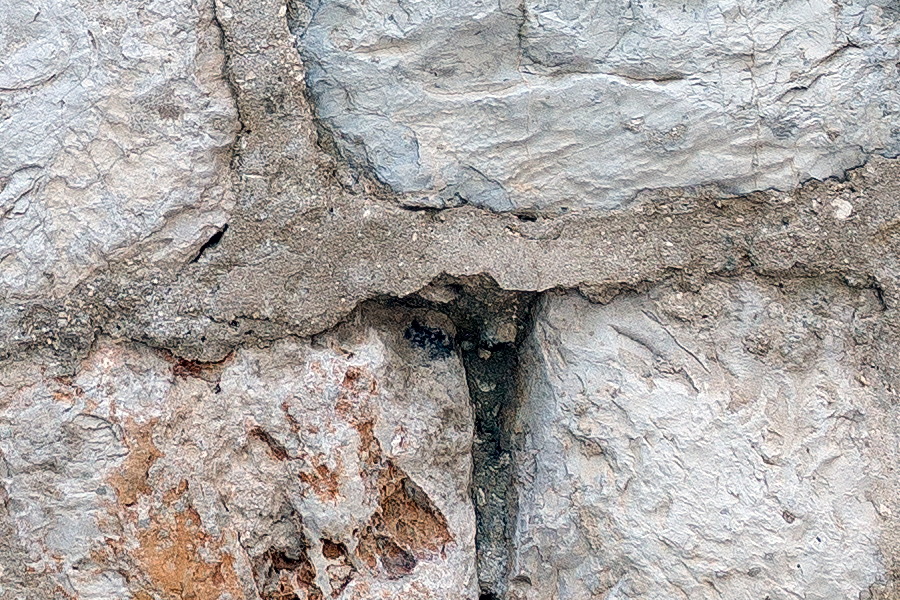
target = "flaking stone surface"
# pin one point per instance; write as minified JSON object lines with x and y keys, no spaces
{"x":132,"y":133}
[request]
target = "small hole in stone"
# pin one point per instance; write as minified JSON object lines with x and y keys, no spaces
{"x":488,"y":596}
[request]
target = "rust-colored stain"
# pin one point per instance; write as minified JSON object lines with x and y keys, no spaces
{"x":130,"y":481}
{"x":207,"y":371}
{"x":175,"y":553}
{"x":357,"y":387}
{"x":339,"y":570}
{"x":172,"y":495}
{"x":332,"y":550}
{"x":292,"y":422}
{"x":406,"y":527}
{"x":361,"y":591}
{"x":68,"y":390}
{"x":367,"y":548}
{"x":323,"y":481}
{"x":369,"y":448}
{"x":408,"y":515}
{"x":59,"y":592}
{"x":352,"y":404}
{"x":188,"y":368}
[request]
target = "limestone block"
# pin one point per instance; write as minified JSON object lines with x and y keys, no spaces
{"x":115,"y":128}
{"x":551,"y":104}
{"x":719,"y":444}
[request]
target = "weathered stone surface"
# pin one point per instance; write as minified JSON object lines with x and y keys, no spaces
{"x":548,"y":104}
{"x":728,"y":442}
{"x":306,"y":243}
{"x":296,"y":466}
{"x":115,"y":123}
{"x":334,"y":469}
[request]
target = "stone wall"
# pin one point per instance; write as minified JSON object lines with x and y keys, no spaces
{"x":449,"y":300}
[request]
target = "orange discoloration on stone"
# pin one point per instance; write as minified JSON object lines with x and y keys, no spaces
{"x":68,"y":391}
{"x":292,"y":422}
{"x":369,"y":448}
{"x":340,"y":569}
{"x":207,"y":371}
{"x":353,"y":405}
{"x":405,"y":528}
{"x":357,"y":387}
{"x":175,"y":493}
{"x":286,"y":578}
{"x":418,"y":591}
{"x":175,"y":553}
{"x":60,"y":396}
{"x":360,"y":591}
{"x":323,"y":481}
{"x":273,"y":447}
{"x":130,"y":482}
{"x":408,"y":515}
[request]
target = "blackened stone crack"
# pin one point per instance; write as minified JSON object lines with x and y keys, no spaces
{"x":490,"y":324}
{"x":211,"y":243}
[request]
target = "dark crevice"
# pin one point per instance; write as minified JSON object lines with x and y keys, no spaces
{"x":212,"y":242}
{"x":424,"y":209}
{"x":490,"y":325}
{"x":435,"y":341}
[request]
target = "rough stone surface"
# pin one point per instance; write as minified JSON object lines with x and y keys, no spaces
{"x":728,"y":442}
{"x":550,"y":104}
{"x":307,"y":241}
{"x":338,"y":468}
{"x":115,"y":123}
{"x":235,"y":364}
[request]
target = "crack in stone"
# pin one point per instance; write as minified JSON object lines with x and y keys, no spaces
{"x":212,"y":242}
{"x":490,"y":324}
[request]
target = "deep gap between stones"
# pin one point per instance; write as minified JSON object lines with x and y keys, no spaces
{"x":490,"y":325}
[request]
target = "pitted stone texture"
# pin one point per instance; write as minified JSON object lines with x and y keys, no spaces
{"x":331,"y":470}
{"x":549,"y":104}
{"x":720,"y":444}
{"x":115,"y":121}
